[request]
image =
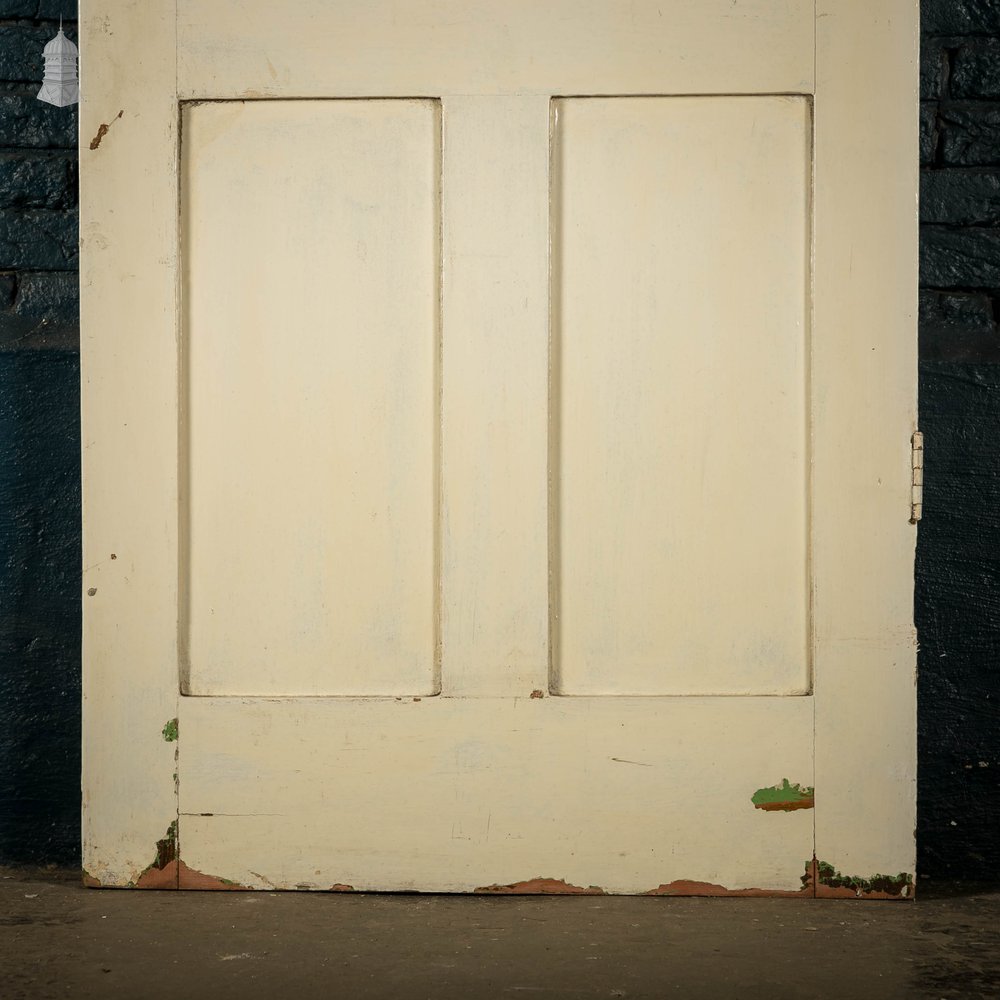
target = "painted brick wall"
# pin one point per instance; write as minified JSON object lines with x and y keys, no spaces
{"x":958,"y":551}
{"x":958,"y":563}
{"x":39,"y":449}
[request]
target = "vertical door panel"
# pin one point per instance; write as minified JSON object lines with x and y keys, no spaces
{"x":311,"y":294}
{"x":680,"y":268}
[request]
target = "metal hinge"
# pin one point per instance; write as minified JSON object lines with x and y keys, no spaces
{"x":917,"y":484}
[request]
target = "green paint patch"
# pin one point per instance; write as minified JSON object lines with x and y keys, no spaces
{"x":784,"y":797}
{"x":170,"y":731}
{"x":900,"y":885}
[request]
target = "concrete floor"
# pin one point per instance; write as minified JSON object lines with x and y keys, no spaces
{"x":58,"y":939}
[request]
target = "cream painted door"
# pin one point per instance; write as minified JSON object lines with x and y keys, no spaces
{"x":497,"y":429}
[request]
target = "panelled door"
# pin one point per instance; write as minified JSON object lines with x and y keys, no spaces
{"x":497,"y":440}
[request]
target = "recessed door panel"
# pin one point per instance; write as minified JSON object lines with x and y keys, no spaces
{"x":680,"y":268}
{"x":310,"y":291}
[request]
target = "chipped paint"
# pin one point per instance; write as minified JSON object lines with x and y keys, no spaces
{"x":102,"y":131}
{"x":537,"y":693}
{"x":687,"y":887}
{"x":170,"y":731}
{"x":542,"y":887}
{"x":820,"y":880}
{"x":784,"y":797}
{"x":162,"y":872}
{"x":341,"y":887}
{"x":190,"y":878}
{"x":166,"y":849}
{"x":831,"y":884}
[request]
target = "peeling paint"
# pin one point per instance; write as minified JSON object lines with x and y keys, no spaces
{"x":103,"y":130}
{"x":170,"y":731}
{"x":819,"y":880}
{"x":542,"y":886}
{"x":831,"y":884}
{"x":162,"y":872}
{"x":189,"y":878}
{"x":784,"y":797}
{"x":687,"y":887}
{"x":166,"y":849}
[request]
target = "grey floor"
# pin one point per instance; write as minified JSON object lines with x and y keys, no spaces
{"x":58,"y":939}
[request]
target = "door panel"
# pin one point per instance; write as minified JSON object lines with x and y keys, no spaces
{"x":311,"y":289}
{"x":680,"y":242}
{"x":472,"y":793}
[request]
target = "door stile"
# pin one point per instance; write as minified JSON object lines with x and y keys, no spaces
{"x":864,"y":394}
{"x":129,"y":362}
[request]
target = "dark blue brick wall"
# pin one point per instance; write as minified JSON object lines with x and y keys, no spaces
{"x":958,"y":542}
{"x":39,"y":606}
{"x":958,"y":552}
{"x":39,"y":451}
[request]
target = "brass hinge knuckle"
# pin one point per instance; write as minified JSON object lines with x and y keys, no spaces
{"x":917,"y":483}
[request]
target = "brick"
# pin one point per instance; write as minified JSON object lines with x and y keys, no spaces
{"x":52,"y":297}
{"x":959,"y":258}
{"x":29,"y":123}
{"x":960,"y":197}
{"x":970,"y":134}
{"x":958,"y":327}
{"x":38,"y":239}
{"x":21,"y":53}
{"x":33,"y":180}
{"x":975,"y":70}
{"x":960,"y":17}
{"x":932,"y":60}
{"x":45,"y":313}
{"x":66,"y":9}
{"x":928,"y":133}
